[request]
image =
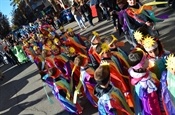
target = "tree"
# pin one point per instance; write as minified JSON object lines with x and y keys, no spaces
{"x":21,"y":15}
{"x":27,"y":3}
{"x":54,"y":5}
{"x":4,"y":26}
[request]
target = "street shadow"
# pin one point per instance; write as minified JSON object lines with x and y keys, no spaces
{"x":17,"y":99}
{"x":97,"y":26}
{"x":9,"y":74}
{"x":9,"y":91}
{"x":17,"y":109}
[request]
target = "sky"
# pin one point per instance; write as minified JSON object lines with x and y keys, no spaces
{"x":5,"y":8}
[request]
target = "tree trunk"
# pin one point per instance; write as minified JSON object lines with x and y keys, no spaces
{"x":52,"y":2}
{"x":24,"y":16}
{"x":28,"y":4}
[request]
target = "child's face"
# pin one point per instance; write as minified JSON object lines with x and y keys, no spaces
{"x":38,"y":51}
{"x":172,"y":71}
{"x":131,"y":2}
{"x":121,"y":5}
{"x":153,"y":53}
{"x":56,"y":51}
{"x":106,"y":54}
{"x":96,"y":40}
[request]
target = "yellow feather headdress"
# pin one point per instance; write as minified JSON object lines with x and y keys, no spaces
{"x":61,"y":28}
{"x":113,"y":40}
{"x":149,"y":43}
{"x":56,"y":40}
{"x":69,"y":30}
{"x":53,"y":47}
{"x":41,"y":35}
{"x":170,"y":62}
{"x":95,"y":33}
{"x":104,"y":63}
{"x":138,"y":35}
{"x":35,"y":48}
{"x":105,"y":47}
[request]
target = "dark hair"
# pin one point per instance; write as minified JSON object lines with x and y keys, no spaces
{"x":135,"y":57}
{"x":79,"y":60}
{"x":108,"y":39}
{"x":102,"y":75}
{"x":160,"y":47}
{"x":98,"y":48}
{"x":143,"y":30}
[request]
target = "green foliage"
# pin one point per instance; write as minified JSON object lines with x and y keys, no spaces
{"x":21,"y":15}
{"x":4,"y":25}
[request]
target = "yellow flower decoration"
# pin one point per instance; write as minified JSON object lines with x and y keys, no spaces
{"x":56,"y":40}
{"x":61,"y":28}
{"x":31,"y":41}
{"x":41,"y":35}
{"x":53,"y":47}
{"x":69,"y":30}
{"x":170,"y":62}
{"x":49,"y":35}
{"x":104,"y":47}
{"x":49,"y":29}
{"x":138,"y":35}
{"x":49,"y":42}
{"x":71,"y":50}
{"x":95,"y":33}
{"x":35,"y":48}
{"x":149,"y":42}
{"x":24,"y":42}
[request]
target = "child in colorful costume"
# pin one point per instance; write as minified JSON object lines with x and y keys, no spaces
{"x":19,"y":53}
{"x":167,"y":85}
{"x":28,"y":50}
{"x":93,"y":55}
{"x":86,"y":79}
{"x":156,"y":55}
{"x":118,"y":79}
{"x":38,"y":58}
{"x":145,"y":84}
{"x":141,"y":15}
{"x":111,"y":100}
{"x":76,"y":37}
{"x":61,"y":90}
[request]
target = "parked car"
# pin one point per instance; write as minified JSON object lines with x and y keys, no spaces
{"x":3,"y":58}
{"x":92,"y":4}
{"x":66,"y":16}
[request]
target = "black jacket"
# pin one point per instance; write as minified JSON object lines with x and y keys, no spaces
{"x":85,"y":9}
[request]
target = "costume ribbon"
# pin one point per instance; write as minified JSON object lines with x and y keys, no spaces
{"x":123,"y":102}
{"x":50,"y":100}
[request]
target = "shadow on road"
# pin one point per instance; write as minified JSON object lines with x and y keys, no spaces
{"x":10,"y":98}
{"x":17,"y":109}
{"x":13,"y":71}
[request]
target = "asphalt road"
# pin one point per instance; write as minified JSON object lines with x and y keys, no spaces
{"x":22,"y":93}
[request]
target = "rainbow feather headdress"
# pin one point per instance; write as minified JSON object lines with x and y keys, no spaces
{"x":170,"y":62}
{"x":149,"y":43}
